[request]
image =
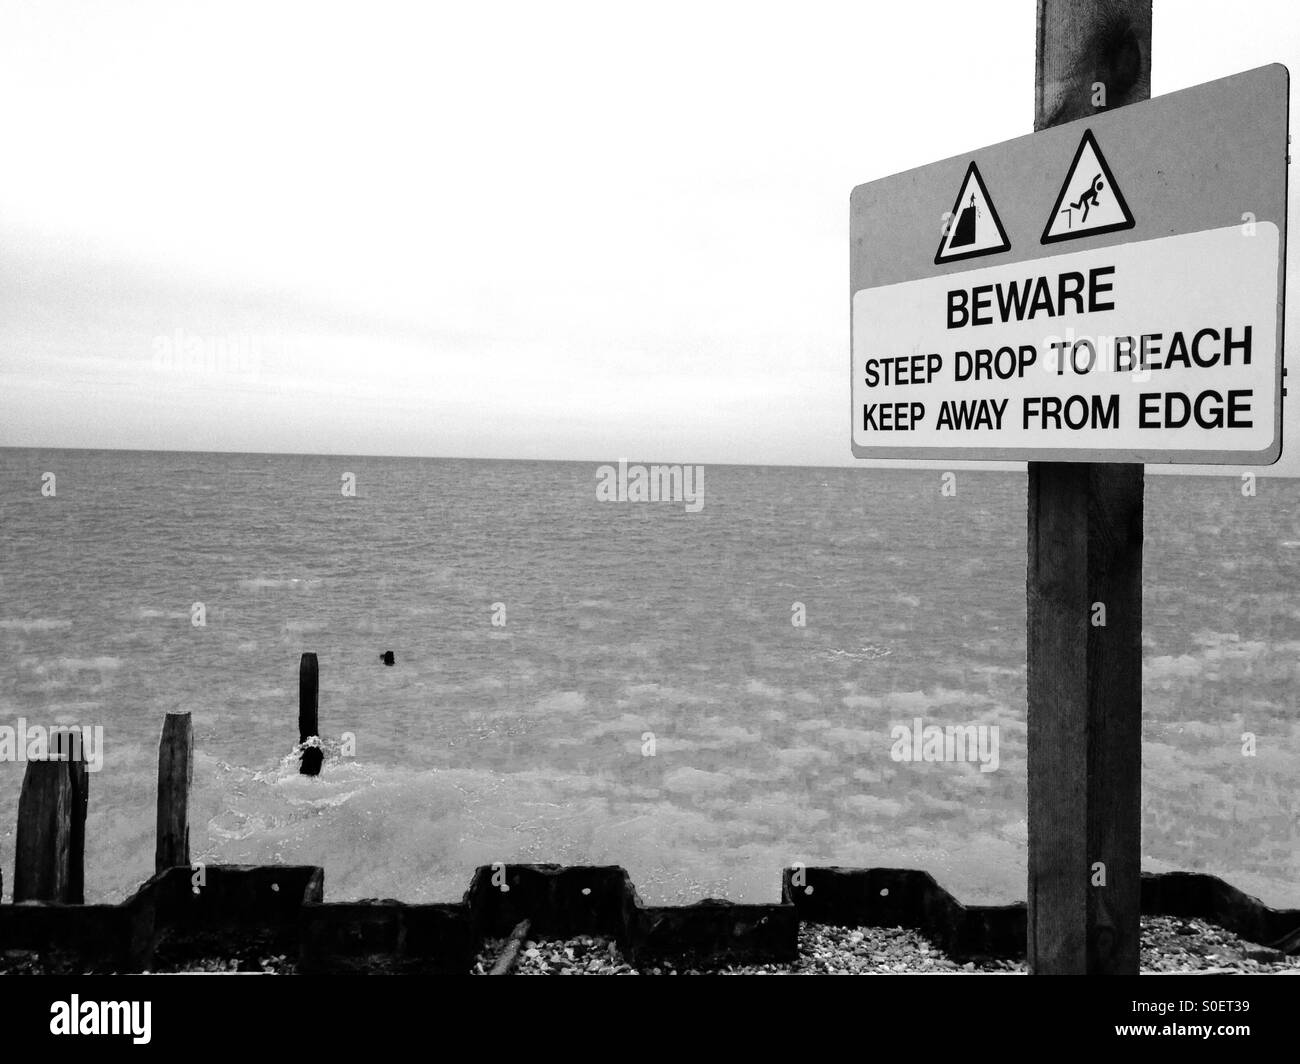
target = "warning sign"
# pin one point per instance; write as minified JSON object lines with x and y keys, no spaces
{"x":972,"y":226}
{"x":1144,"y":324}
{"x":1090,"y":200}
{"x":1094,"y":351}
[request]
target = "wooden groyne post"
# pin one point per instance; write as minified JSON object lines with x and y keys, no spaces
{"x":308,"y":707}
{"x":175,"y":773}
{"x":50,"y":849}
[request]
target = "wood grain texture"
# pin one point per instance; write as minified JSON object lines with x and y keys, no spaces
{"x":1084,"y":685}
{"x":50,"y":848}
{"x":1085,"y":531}
{"x":175,"y":774}
{"x":1083,"y":43}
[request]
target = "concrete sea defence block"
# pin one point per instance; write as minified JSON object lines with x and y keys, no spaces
{"x":713,"y":932}
{"x":386,"y":936}
{"x":89,"y":938}
{"x":904,"y":897}
{"x":561,"y":901}
{"x":238,"y":911}
{"x":1196,"y":894}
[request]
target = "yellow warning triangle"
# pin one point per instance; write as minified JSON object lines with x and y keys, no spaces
{"x":973,"y":226}
{"x":1090,"y":201}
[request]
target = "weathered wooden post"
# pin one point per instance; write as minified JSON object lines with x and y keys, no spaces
{"x":1084,"y":680}
{"x":79,"y":776}
{"x":308,"y":706}
{"x":50,"y":849}
{"x":175,"y":773}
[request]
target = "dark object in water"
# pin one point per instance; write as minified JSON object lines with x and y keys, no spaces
{"x":308,"y":715}
{"x":312,"y":759}
{"x":387,"y":655}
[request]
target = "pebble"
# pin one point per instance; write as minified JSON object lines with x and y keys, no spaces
{"x":1169,"y":944}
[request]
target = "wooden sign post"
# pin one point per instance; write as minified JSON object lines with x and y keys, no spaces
{"x":1084,"y":597}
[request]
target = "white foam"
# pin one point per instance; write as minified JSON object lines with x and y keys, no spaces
{"x":34,"y":624}
{"x":294,"y":583}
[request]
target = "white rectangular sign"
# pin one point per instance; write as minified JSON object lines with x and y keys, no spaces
{"x":1106,"y":290}
{"x":1122,"y":348}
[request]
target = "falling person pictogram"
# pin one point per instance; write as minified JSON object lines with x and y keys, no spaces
{"x":1085,"y":202}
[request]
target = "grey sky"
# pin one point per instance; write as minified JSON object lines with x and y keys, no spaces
{"x":566,"y":231}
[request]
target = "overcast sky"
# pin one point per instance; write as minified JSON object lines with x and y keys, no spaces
{"x":552,"y":230}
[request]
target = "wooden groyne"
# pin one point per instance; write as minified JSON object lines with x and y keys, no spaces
{"x":187,"y":912}
{"x":245,"y":911}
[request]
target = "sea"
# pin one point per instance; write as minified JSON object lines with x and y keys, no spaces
{"x":703,"y":695}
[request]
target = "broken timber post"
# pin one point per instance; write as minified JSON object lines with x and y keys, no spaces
{"x":50,"y":849}
{"x":175,"y":773}
{"x":308,"y":706}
